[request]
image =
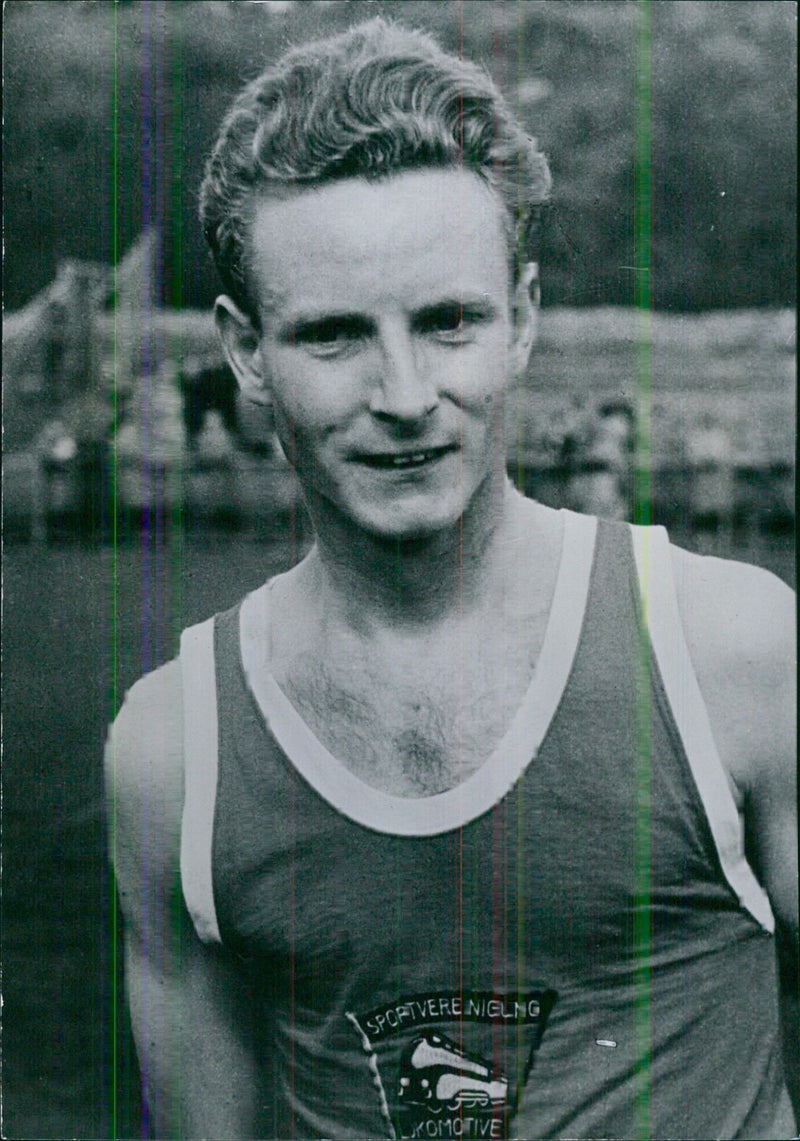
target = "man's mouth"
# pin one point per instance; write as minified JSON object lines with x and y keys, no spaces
{"x":397,"y":461}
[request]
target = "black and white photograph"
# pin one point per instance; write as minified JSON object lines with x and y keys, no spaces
{"x":399,"y":619}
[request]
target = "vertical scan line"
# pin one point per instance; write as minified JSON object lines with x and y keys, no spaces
{"x":174,"y":273}
{"x":642,"y":857}
{"x":521,"y":252}
{"x":112,"y":796}
{"x":643,"y":515}
{"x":643,"y":263}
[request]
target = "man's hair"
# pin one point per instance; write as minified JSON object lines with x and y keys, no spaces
{"x":371,"y":102}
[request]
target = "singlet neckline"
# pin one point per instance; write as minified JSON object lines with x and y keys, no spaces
{"x":487,"y":785}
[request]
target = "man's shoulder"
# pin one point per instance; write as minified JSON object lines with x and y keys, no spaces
{"x":148,"y":729}
{"x":735,"y":609}
{"x":144,"y":783}
{"x":739,"y":621}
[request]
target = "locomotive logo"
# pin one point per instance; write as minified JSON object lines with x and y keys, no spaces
{"x":428,"y":1084}
{"x":436,"y":1077}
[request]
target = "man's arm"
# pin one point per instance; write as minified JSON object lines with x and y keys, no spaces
{"x":740,"y":624}
{"x":190,"y":1012}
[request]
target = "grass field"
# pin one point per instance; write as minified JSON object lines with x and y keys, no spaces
{"x":80,"y":626}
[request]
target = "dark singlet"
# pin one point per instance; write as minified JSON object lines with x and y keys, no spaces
{"x":569,"y":944}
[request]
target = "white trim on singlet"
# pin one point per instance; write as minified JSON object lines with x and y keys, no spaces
{"x":200,"y":776}
{"x":663,"y":621}
{"x":432,"y":815}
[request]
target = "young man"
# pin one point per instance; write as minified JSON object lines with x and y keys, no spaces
{"x":479,"y":822}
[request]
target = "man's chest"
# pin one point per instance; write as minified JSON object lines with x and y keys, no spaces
{"x":418,"y":727}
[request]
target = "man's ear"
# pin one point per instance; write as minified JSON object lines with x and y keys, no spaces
{"x":526,"y":316}
{"x":241,"y":343}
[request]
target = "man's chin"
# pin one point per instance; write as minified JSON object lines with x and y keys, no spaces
{"x":411,"y":519}
{"x":411,"y":532}
{"x":395,"y":526}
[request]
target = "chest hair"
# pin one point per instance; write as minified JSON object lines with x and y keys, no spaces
{"x":410,"y":736}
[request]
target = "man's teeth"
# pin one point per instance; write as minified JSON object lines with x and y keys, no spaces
{"x":410,"y":459}
{"x":416,"y":458}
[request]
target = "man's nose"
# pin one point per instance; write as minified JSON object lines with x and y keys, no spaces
{"x":403,"y":389}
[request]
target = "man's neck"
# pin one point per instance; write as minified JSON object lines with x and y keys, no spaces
{"x":371,"y":582}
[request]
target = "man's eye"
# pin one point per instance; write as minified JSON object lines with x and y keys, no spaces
{"x":454,"y":324}
{"x":330,"y":335}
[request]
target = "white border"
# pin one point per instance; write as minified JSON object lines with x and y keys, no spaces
{"x":663,"y":621}
{"x":200,"y":765}
{"x":446,"y":811}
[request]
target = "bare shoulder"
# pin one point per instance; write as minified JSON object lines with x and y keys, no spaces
{"x":735,"y":614}
{"x":144,"y":789}
{"x":740,"y":623}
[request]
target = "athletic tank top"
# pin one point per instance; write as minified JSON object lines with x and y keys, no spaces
{"x":568,"y":944}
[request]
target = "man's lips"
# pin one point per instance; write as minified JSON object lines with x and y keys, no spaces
{"x":408,"y":458}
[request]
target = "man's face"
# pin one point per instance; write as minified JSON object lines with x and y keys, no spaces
{"x":387,"y":340}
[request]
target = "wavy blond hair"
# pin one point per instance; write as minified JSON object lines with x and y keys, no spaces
{"x":373,"y":101}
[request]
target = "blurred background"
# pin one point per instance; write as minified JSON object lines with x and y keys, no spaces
{"x":140,"y":496}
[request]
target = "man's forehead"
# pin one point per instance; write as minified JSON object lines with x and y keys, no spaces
{"x":442,"y":229}
{"x":357,"y":210}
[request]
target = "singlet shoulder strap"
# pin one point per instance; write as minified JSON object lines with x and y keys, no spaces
{"x":662,"y":618}
{"x":200,"y":776}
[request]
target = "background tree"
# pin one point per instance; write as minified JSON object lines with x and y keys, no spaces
{"x":110,"y":107}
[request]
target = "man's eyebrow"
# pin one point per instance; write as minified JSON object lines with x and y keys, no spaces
{"x":475,"y":306}
{"x":470,"y":302}
{"x":328,"y":323}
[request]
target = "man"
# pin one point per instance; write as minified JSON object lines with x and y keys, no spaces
{"x":443,"y":832}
